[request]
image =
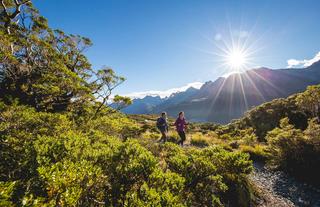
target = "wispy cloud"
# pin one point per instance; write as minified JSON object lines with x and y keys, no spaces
{"x":303,"y":63}
{"x":164,"y":93}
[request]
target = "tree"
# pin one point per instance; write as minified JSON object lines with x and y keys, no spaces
{"x":46,"y":68}
{"x":9,"y":14}
{"x":106,"y":81}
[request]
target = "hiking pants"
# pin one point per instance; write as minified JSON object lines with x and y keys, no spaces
{"x":182,"y":136}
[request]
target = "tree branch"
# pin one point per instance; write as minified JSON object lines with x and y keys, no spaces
{"x":4,"y":8}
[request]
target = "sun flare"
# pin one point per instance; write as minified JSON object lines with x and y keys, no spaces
{"x":235,"y":52}
{"x":236,"y":59}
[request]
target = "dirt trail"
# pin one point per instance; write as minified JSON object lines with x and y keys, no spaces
{"x":279,"y":189}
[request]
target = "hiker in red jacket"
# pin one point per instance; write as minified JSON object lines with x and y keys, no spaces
{"x":181,"y":126}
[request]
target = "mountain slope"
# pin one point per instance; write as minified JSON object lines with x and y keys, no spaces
{"x":228,"y":98}
{"x":156,"y":104}
{"x":143,"y":106}
{"x":175,"y":99}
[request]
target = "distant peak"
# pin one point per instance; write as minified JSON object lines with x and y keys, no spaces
{"x":192,"y":89}
{"x":152,"y":96}
{"x":148,"y":97}
{"x":165,"y":93}
{"x":207,"y":83}
{"x":262,"y":68}
{"x":189,"y":90}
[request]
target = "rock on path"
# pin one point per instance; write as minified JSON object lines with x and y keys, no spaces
{"x":278,"y":189}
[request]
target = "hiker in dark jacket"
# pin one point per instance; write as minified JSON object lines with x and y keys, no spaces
{"x":162,"y":125}
{"x":181,"y":127}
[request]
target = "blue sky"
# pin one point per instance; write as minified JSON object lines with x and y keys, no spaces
{"x":159,"y":45}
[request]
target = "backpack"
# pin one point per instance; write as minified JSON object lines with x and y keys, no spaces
{"x":160,"y":123}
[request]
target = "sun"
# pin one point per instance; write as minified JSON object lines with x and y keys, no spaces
{"x":236,"y":59}
{"x":234,"y":51}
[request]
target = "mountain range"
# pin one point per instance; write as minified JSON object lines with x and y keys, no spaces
{"x":229,"y":98}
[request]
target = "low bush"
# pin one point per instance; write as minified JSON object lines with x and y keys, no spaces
{"x":257,"y":152}
{"x":151,"y":135}
{"x":297,"y":151}
{"x":200,"y":140}
{"x":206,"y":170}
{"x":173,"y":137}
{"x":49,"y":160}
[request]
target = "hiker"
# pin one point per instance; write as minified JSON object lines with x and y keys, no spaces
{"x":162,"y":125}
{"x":181,"y":126}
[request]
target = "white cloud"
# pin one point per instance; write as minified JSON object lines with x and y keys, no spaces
{"x":164,"y":93}
{"x":303,"y":63}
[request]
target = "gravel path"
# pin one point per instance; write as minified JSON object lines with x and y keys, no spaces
{"x":278,"y":189}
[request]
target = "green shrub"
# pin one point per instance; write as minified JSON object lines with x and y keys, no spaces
{"x":69,"y":183}
{"x":200,"y":140}
{"x":257,"y":152}
{"x":206,"y":170}
{"x":173,"y":136}
{"x":234,"y":144}
{"x":49,"y":159}
{"x":297,"y":151}
{"x":151,"y":135}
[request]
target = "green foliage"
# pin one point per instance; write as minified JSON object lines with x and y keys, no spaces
{"x":205,"y":127}
{"x":248,"y":137}
{"x":130,"y":165}
{"x":35,"y":145}
{"x":257,"y":152}
{"x":297,"y":151}
{"x":267,"y":116}
{"x":205,"y":171}
{"x":151,"y":135}
{"x":69,"y":183}
{"x":49,"y":159}
{"x":284,"y":140}
{"x":121,"y":101}
{"x":115,"y":124}
{"x":201,"y":140}
{"x":60,"y":145}
{"x":6,"y":193}
{"x":309,"y":100}
{"x":46,"y":68}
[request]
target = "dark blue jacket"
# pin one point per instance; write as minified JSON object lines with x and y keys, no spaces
{"x":162,"y":124}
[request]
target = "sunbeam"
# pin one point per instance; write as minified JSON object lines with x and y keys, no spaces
{"x":234,"y":54}
{"x":236,"y":58}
